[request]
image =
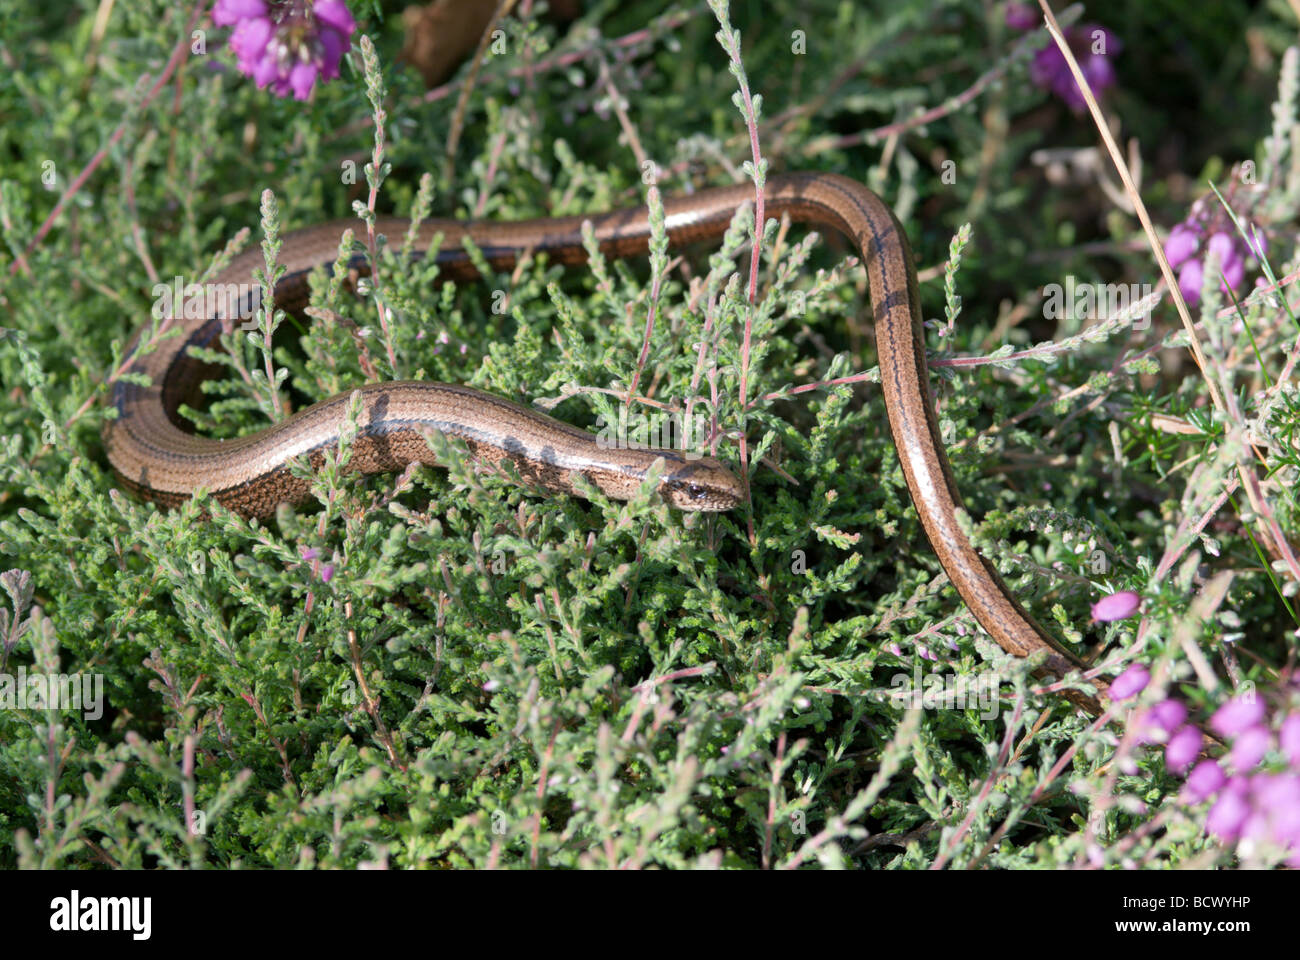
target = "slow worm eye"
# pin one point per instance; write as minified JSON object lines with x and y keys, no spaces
{"x":696,"y":492}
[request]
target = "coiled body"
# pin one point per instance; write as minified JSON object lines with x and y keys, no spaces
{"x":160,"y":461}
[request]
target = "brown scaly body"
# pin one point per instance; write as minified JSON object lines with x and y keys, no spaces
{"x":160,"y":461}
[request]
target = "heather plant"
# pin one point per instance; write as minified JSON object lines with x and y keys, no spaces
{"x":288,"y":44}
{"x":439,"y":668}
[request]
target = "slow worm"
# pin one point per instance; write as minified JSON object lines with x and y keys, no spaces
{"x":150,"y":449}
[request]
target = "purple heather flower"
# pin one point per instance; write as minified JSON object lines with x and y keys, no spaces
{"x":1092,"y":46}
{"x":308,"y":553}
{"x":1186,"y":253}
{"x":1021,"y":16}
{"x":227,"y":12}
{"x":1263,"y":808}
{"x":1190,"y":278}
{"x":1155,"y":724}
{"x":1277,"y":789}
{"x":1288,"y":736}
{"x":1255,"y":826}
{"x":1237,"y":715}
{"x":1230,"y":810}
{"x":264,"y":71}
{"x":1182,"y":243}
{"x":1131,"y":682}
{"x":1233,"y":274}
{"x":1275,"y":812}
{"x":327,"y":573}
{"x":301,"y":78}
{"x":1182,"y":749}
{"x":1117,"y":606}
{"x":287,"y":44}
{"x":1203,"y":782}
{"x":1222,"y":245}
{"x":250,"y":38}
{"x":335,"y":13}
{"x":1249,"y":747}
{"x":333,"y":44}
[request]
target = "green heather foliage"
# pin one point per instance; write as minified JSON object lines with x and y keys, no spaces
{"x":441,"y":669}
